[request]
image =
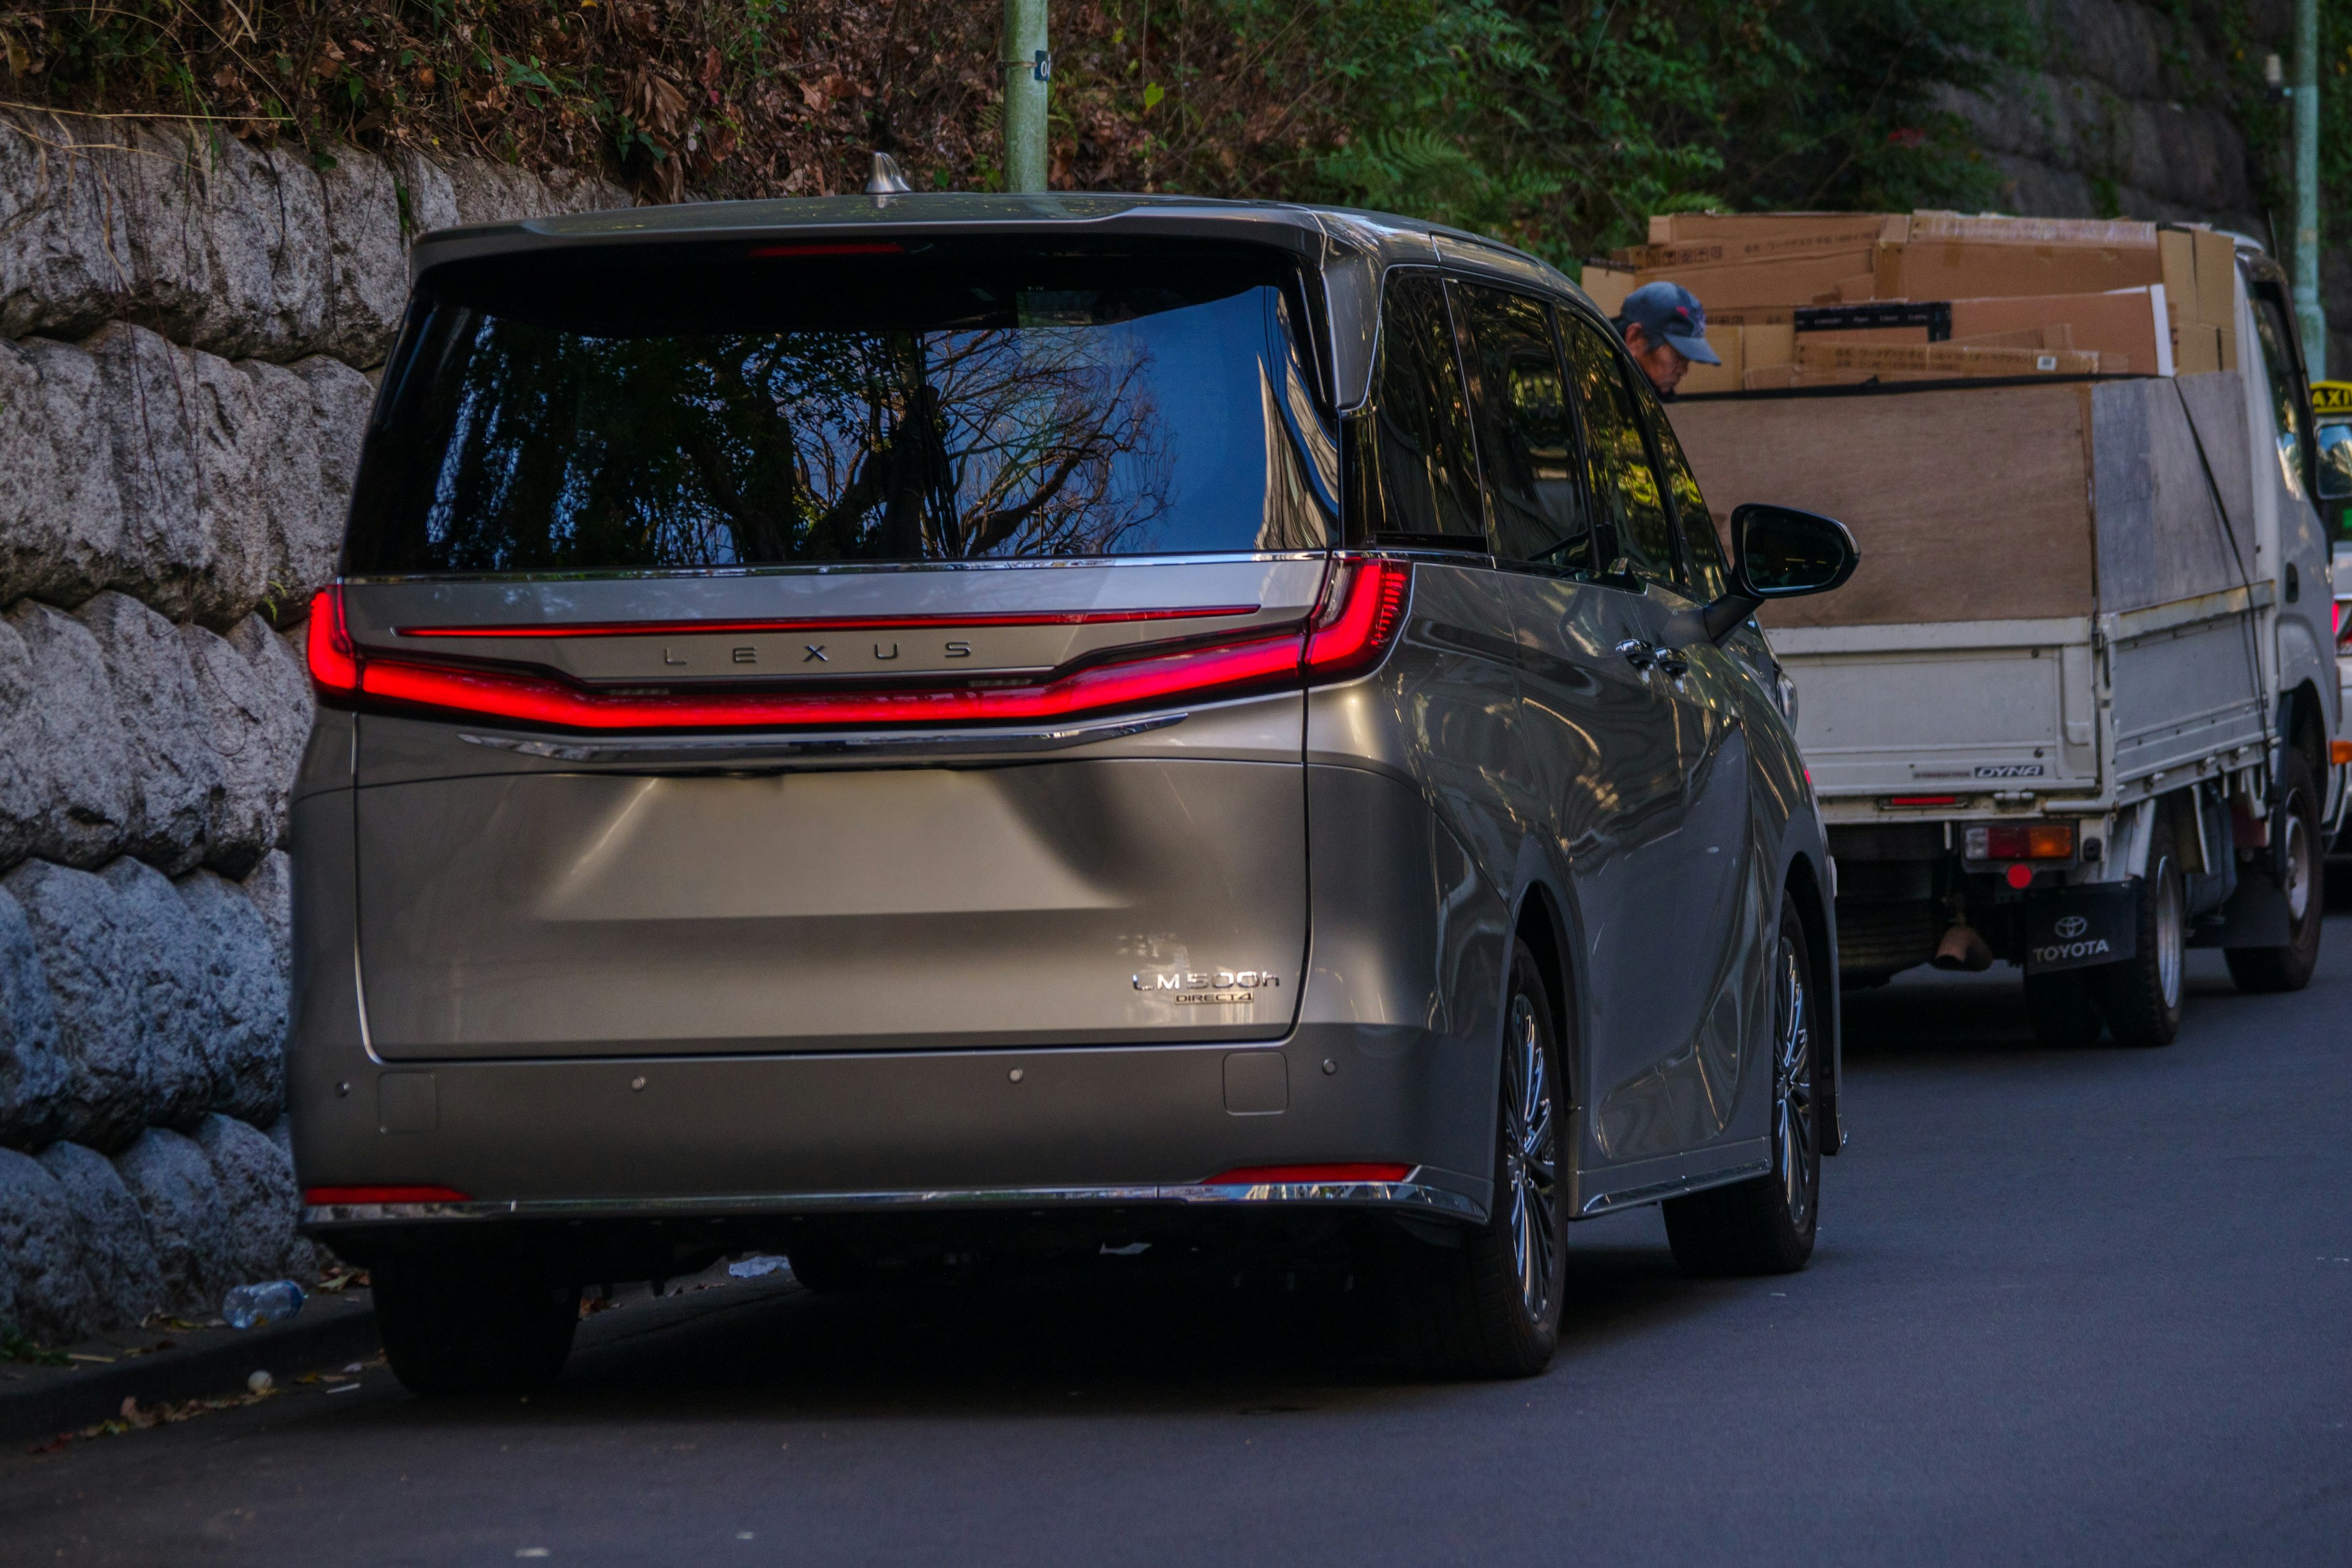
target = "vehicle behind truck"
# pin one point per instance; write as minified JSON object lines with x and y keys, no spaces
{"x":2078,"y":709}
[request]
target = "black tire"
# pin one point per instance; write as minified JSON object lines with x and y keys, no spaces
{"x":2062,"y":1011}
{"x":2289,"y":968}
{"x":2141,"y":997}
{"x":1489,"y":1308}
{"x":1767,"y":1224}
{"x":472,"y":1319}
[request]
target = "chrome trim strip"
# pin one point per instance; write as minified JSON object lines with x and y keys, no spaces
{"x":1634,"y":1197}
{"x":845,"y":568}
{"x":1415,"y":1195}
{"x":879,"y":745}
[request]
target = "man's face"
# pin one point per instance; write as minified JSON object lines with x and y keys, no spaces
{"x":1662,"y":361}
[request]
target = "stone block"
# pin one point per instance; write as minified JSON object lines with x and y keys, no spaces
{"x":186,"y":433}
{"x":67,"y":792}
{"x":260,"y":1200}
{"x":304,"y":1259}
{"x":255,"y":703}
{"x":341,"y":401}
{"x":179,"y":1197}
{"x":60,"y":514}
{"x":117,"y":1257}
{"x":163,"y":961}
{"x":367,"y":258}
{"x":271,"y":889}
{"x":76,"y":921}
{"x":67,"y":260}
{"x":49,"y":1297}
{"x":243,"y":1035}
{"x":33,"y":1075}
{"x":176,"y":775}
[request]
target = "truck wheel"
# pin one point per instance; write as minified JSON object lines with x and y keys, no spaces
{"x":2061,"y":1012}
{"x":472,"y":1319}
{"x":2141,"y":996}
{"x":2289,"y":968}
{"x":1766,"y":1224}
{"x":1490,"y":1307}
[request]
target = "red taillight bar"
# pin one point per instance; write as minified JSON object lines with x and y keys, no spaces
{"x":826,"y":623}
{"x":1350,"y":632}
{"x":322,"y":1197}
{"x":334,"y":662}
{"x":1304,"y":1175}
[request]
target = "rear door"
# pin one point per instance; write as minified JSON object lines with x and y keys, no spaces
{"x":950,"y":703}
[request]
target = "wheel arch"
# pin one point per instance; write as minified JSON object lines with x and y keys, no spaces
{"x":1542,"y":920}
{"x":1804,"y":884}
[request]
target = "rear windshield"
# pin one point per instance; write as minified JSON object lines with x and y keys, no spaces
{"x":867,"y":400}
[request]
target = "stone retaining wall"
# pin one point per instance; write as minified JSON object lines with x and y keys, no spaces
{"x":186,"y":329}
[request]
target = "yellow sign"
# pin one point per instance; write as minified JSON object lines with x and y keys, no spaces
{"x":2331,"y":397}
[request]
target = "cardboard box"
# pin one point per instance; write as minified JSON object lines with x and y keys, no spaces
{"x":2198,"y":350}
{"x":1956,"y":269}
{"x":1920,"y":360}
{"x":1725,"y":377}
{"x":2229,"y":340}
{"x":1608,"y":286}
{"x":1821,"y":231}
{"x":1813,"y":280}
{"x":2217,"y":271}
{"x":1768,"y":344}
{"x":2132,"y":323}
{"x":1755,"y":315}
{"x":1990,"y":228}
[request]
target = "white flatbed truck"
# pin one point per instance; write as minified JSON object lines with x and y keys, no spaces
{"x":2078,"y":709}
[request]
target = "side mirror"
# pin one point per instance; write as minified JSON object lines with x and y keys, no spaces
{"x":1779,"y":553}
{"x":2336,"y":462}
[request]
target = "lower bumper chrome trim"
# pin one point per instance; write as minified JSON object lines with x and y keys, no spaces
{"x":1421,"y":1196}
{"x":1634,"y":1197}
{"x":863,"y":747}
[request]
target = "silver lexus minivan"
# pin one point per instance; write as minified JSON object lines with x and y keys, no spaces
{"x":906,"y":729}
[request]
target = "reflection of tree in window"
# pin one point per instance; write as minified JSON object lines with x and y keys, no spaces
{"x":1426,"y":470}
{"x":1623,"y":480}
{"x":799,"y":445}
{"x":1526,"y":441}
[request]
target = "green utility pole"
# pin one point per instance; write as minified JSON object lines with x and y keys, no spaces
{"x":1028,"y":67}
{"x":2309,"y":318}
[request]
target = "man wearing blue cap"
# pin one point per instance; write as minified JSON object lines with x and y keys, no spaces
{"x":1665,"y":328}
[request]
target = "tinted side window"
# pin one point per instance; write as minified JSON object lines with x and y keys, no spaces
{"x":1424,"y":466}
{"x":1623,"y":484}
{"x":1527,"y":440}
{"x":1702,"y":549}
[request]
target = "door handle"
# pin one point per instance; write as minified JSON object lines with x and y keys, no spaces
{"x":1638,"y":654}
{"x":1672,"y":661}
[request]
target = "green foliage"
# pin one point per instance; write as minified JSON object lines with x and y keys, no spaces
{"x":1564,"y":125}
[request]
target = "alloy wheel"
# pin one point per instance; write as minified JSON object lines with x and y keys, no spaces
{"x":1792,"y":1088}
{"x":2298,"y":863}
{"x":1529,"y":1164}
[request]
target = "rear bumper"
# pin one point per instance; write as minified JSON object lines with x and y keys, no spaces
{"x":1427,"y":1193}
{"x":898,"y":1132}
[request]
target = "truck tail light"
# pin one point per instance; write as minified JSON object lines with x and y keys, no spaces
{"x":2024,"y":841}
{"x":1351,"y":630}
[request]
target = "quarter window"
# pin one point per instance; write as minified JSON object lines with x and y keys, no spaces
{"x":1422,"y":480}
{"x":1624,"y":485}
{"x":1527,"y":440}
{"x":2288,"y":403}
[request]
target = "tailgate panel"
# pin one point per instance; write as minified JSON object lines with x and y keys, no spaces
{"x":551,"y":913}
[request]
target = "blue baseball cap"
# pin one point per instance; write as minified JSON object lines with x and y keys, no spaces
{"x":1671,"y":311}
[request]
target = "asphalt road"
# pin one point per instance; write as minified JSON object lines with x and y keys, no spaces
{"x":2080,"y":1307}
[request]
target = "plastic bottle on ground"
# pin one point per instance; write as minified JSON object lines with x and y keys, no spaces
{"x":271,"y":1301}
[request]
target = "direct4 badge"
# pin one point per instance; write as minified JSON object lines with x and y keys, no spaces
{"x":2009,"y":770}
{"x":2076,"y":928}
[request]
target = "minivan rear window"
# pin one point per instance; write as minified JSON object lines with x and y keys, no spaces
{"x":645,"y":409}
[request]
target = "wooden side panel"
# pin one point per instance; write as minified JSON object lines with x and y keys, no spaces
{"x":1968,"y":505}
{"x":2163,"y":535}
